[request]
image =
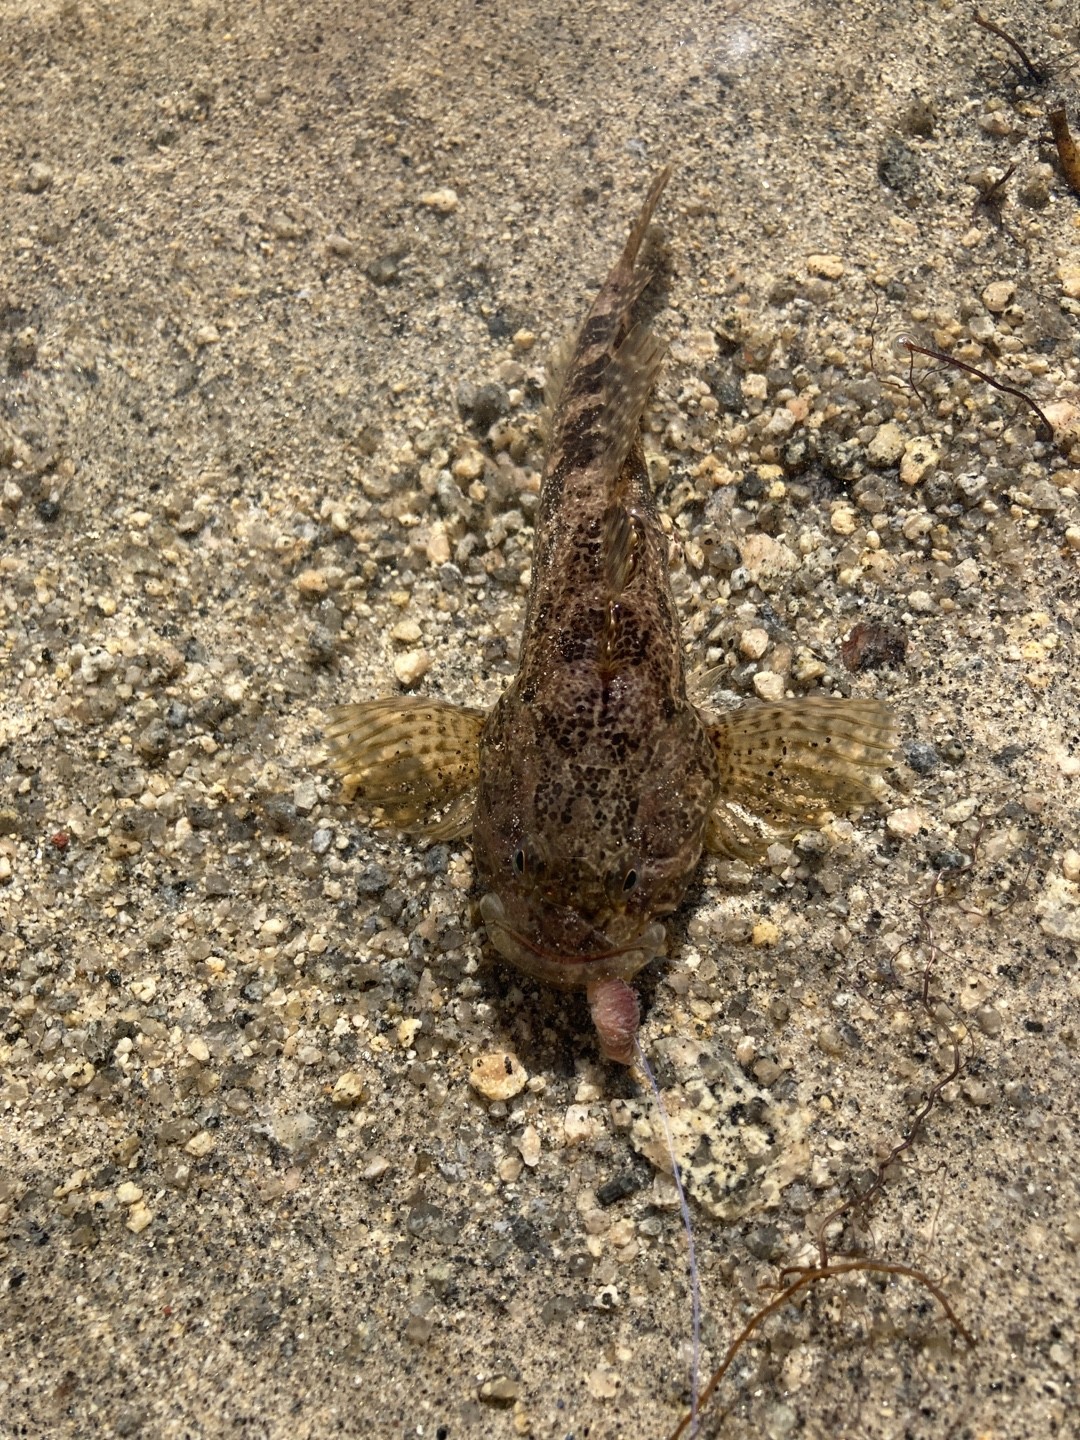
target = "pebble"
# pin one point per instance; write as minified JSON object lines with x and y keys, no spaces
{"x":765,"y":933}
{"x":38,"y":178}
{"x":349,"y":1089}
{"x":412,"y":666}
{"x":768,"y":686}
{"x":922,"y":758}
{"x":998,"y":297}
{"x":753,"y":643}
{"x":340,"y":245}
{"x":500,"y":1390}
{"x":905,"y":823}
{"x":128,"y":1193}
{"x":199,"y":1050}
{"x":406,"y":632}
{"x":602,"y":1384}
{"x":843,"y":520}
{"x":139,"y":1217}
{"x":920,"y":456}
{"x":921,"y":601}
{"x":1070,"y":865}
{"x":528,"y":1143}
{"x":886,"y":447}
{"x":578,"y":1125}
{"x":444,"y":201}
{"x":827,"y":267}
{"x":312,"y":584}
{"x":499,"y":1075}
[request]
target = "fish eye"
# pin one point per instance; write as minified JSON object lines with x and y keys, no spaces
{"x":519,"y":861}
{"x":630,"y":880}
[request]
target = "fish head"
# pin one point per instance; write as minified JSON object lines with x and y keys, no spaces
{"x":580,"y":857}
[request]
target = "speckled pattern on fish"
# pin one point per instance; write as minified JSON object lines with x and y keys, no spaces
{"x":594,"y":785}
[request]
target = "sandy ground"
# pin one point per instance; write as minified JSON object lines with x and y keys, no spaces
{"x":277,"y":286}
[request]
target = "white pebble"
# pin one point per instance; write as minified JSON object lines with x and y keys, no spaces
{"x":906,"y":822}
{"x":753,"y":643}
{"x":768,"y":686}
{"x":412,"y":666}
{"x":529,"y":1144}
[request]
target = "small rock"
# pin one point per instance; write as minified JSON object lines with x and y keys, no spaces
{"x":340,"y":245}
{"x":412,"y":666}
{"x":920,"y":456}
{"x":753,"y":643}
{"x":765,"y":933}
{"x":528,"y":1143}
{"x":312,"y":584}
{"x":206,"y":335}
{"x":349,"y":1089}
{"x":904,"y":823}
{"x":1070,"y":865}
{"x":998,"y":297}
{"x":886,"y":447}
{"x":578,"y":1125}
{"x":843,"y":520}
{"x":828,"y":267}
{"x":768,"y":686}
{"x":500,"y":1390}
{"x":444,"y":201}
{"x":922,"y":758}
{"x":23,"y":349}
{"x":139,"y":1217}
{"x":602,"y":1384}
{"x":499,"y":1075}
{"x":38,"y":178}
{"x":128,"y":1193}
{"x":199,"y":1050}
{"x":406,"y":632}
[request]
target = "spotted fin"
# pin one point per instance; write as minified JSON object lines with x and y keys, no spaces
{"x":787,"y":764}
{"x":412,"y":763}
{"x":623,"y":542}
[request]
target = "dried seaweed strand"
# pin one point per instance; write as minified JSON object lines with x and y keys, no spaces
{"x":813,"y":1275}
{"x":909,"y":345}
{"x":1033,"y":70}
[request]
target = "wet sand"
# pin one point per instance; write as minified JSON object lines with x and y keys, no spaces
{"x":277,"y":288}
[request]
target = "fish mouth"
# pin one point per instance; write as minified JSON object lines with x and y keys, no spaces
{"x":569,"y":968}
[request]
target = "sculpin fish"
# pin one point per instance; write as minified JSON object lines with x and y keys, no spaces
{"x":593,"y":786}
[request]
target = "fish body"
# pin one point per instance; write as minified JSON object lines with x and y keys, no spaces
{"x":594,"y":784}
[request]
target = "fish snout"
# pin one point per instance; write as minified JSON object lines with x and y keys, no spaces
{"x":559,"y":946}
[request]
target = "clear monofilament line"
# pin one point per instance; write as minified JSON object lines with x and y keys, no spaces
{"x":695,"y":1282}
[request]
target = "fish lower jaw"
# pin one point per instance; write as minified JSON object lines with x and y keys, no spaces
{"x":568,"y":970}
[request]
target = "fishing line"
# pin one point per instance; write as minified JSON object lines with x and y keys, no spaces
{"x":695,"y":1280}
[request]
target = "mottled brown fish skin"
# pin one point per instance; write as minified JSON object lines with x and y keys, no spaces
{"x":594,"y":784}
{"x":597,"y":776}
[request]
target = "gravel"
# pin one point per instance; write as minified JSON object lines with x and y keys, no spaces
{"x":277,"y":290}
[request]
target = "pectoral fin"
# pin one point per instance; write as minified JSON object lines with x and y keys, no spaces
{"x":782,"y":765}
{"x":412,"y":763}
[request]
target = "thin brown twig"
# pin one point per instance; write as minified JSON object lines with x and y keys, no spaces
{"x":1033,"y":70}
{"x":942,"y":358}
{"x":813,"y":1275}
